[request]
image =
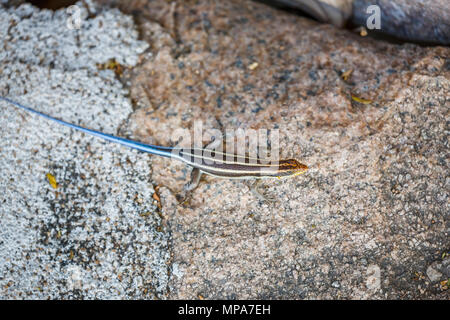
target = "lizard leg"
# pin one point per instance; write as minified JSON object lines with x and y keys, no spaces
{"x":185,"y":195}
{"x":196,"y":175}
{"x":256,"y":187}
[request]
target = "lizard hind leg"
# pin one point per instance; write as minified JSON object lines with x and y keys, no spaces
{"x":196,"y":175}
{"x":261,"y":195}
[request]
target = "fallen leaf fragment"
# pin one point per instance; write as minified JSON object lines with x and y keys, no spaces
{"x":52,"y":180}
{"x":346,"y":74}
{"x":253,"y":66}
{"x":361,"y":100}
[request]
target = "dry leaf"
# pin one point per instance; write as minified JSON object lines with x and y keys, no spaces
{"x":361,"y":100}
{"x":52,"y":180}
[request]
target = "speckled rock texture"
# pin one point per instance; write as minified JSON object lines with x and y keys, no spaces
{"x":98,"y":234}
{"x":369,"y":220}
{"x":369,"y":217}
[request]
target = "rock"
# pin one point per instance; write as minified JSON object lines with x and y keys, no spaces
{"x":410,"y":20}
{"x":377,"y":178}
{"x":336,"y":12}
{"x":88,"y":238}
{"x":368,"y":117}
{"x":407,"y":20}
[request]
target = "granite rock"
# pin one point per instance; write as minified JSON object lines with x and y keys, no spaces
{"x":96,"y":233}
{"x":369,"y":117}
{"x":404,"y":20}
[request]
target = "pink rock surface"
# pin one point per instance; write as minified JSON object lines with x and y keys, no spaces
{"x":370,"y":213}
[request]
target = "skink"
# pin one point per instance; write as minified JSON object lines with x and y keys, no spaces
{"x":202,"y":160}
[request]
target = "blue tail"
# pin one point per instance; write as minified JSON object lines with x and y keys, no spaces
{"x":157,"y":150}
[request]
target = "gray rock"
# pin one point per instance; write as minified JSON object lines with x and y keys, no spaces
{"x":407,"y":20}
{"x":411,"y":20}
{"x":98,"y":234}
